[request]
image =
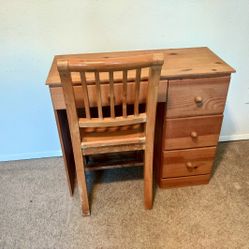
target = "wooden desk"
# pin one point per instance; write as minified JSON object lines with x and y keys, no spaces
{"x":192,"y":94}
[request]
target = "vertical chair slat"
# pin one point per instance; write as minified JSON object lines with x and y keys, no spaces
{"x":137,"y":88}
{"x":112,"y":100}
{"x":98,"y":93}
{"x":125,"y":93}
{"x":85,"y":94}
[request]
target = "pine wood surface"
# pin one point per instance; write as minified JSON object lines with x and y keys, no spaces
{"x":184,"y":181}
{"x":188,"y":162}
{"x":66,"y":146}
{"x":192,"y":97}
{"x":196,"y":82}
{"x":59,"y":101}
{"x":192,"y":132}
{"x":98,"y":143}
{"x":179,"y":63}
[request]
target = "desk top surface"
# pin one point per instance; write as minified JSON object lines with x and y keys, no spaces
{"x":179,"y":63}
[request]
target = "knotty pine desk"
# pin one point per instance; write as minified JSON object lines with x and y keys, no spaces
{"x":191,"y":100}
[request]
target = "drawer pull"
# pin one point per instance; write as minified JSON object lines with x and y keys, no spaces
{"x":194,"y":134}
{"x":189,"y":165}
{"x":198,"y":100}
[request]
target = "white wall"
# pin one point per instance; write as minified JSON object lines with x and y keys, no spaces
{"x":32,"y":32}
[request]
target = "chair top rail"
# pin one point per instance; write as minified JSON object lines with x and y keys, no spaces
{"x":111,"y":64}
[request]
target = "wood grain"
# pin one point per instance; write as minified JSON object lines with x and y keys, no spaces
{"x":75,"y":137}
{"x":178,"y":132}
{"x":115,"y":166}
{"x":188,"y":162}
{"x":152,"y":94}
{"x":158,"y":142}
{"x":179,"y":63}
{"x":85,"y":95}
{"x":191,"y":97}
{"x":59,"y":101}
{"x":114,"y":63}
{"x":98,"y":93}
{"x":96,"y":142}
{"x":184,"y":181}
{"x":110,"y":122}
{"x":66,"y":146}
{"x":124,"y":94}
{"x":112,"y":96}
{"x":199,"y":81}
{"x":137,"y":90}
{"x":113,"y":148}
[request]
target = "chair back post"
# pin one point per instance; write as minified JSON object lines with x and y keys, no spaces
{"x":152,"y":89}
{"x":151,"y":106}
{"x":68,"y":92}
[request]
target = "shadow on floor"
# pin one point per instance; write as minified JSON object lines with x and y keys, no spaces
{"x":112,"y":175}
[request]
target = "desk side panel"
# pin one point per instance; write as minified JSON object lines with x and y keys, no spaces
{"x":66,"y":147}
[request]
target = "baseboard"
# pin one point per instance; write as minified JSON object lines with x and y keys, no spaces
{"x":55,"y":153}
{"x":22,"y":156}
{"x":234,"y":137}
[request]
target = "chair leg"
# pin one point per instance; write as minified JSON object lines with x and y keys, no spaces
{"x":148,"y":178}
{"x":81,"y":178}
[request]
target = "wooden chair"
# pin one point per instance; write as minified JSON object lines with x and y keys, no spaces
{"x":112,"y":132}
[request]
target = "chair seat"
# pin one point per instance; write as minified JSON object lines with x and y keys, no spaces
{"x":114,"y":139}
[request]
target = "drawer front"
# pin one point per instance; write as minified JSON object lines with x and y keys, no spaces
{"x":183,"y":133}
{"x":59,"y":102}
{"x":184,"y":181}
{"x":192,"y":97}
{"x":188,"y":162}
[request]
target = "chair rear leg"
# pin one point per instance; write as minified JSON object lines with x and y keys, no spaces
{"x":148,"y":177}
{"x":81,"y":178}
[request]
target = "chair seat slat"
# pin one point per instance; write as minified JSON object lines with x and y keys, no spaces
{"x":109,"y":122}
{"x":116,"y":148}
{"x":113,"y":142}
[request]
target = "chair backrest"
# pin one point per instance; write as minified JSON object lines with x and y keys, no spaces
{"x":109,"y":66}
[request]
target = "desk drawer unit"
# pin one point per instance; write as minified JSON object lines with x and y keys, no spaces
{"x":192,"y":123}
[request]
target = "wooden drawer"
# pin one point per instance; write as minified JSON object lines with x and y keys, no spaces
{"x":184,"y":181}
{"x":192,"y":97}
{"x":187,"y":162}
{"x":59,"y":102}
{"x":183,"y":133}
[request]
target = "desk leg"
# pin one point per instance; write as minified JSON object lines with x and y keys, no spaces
{"x":66,"y":146}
